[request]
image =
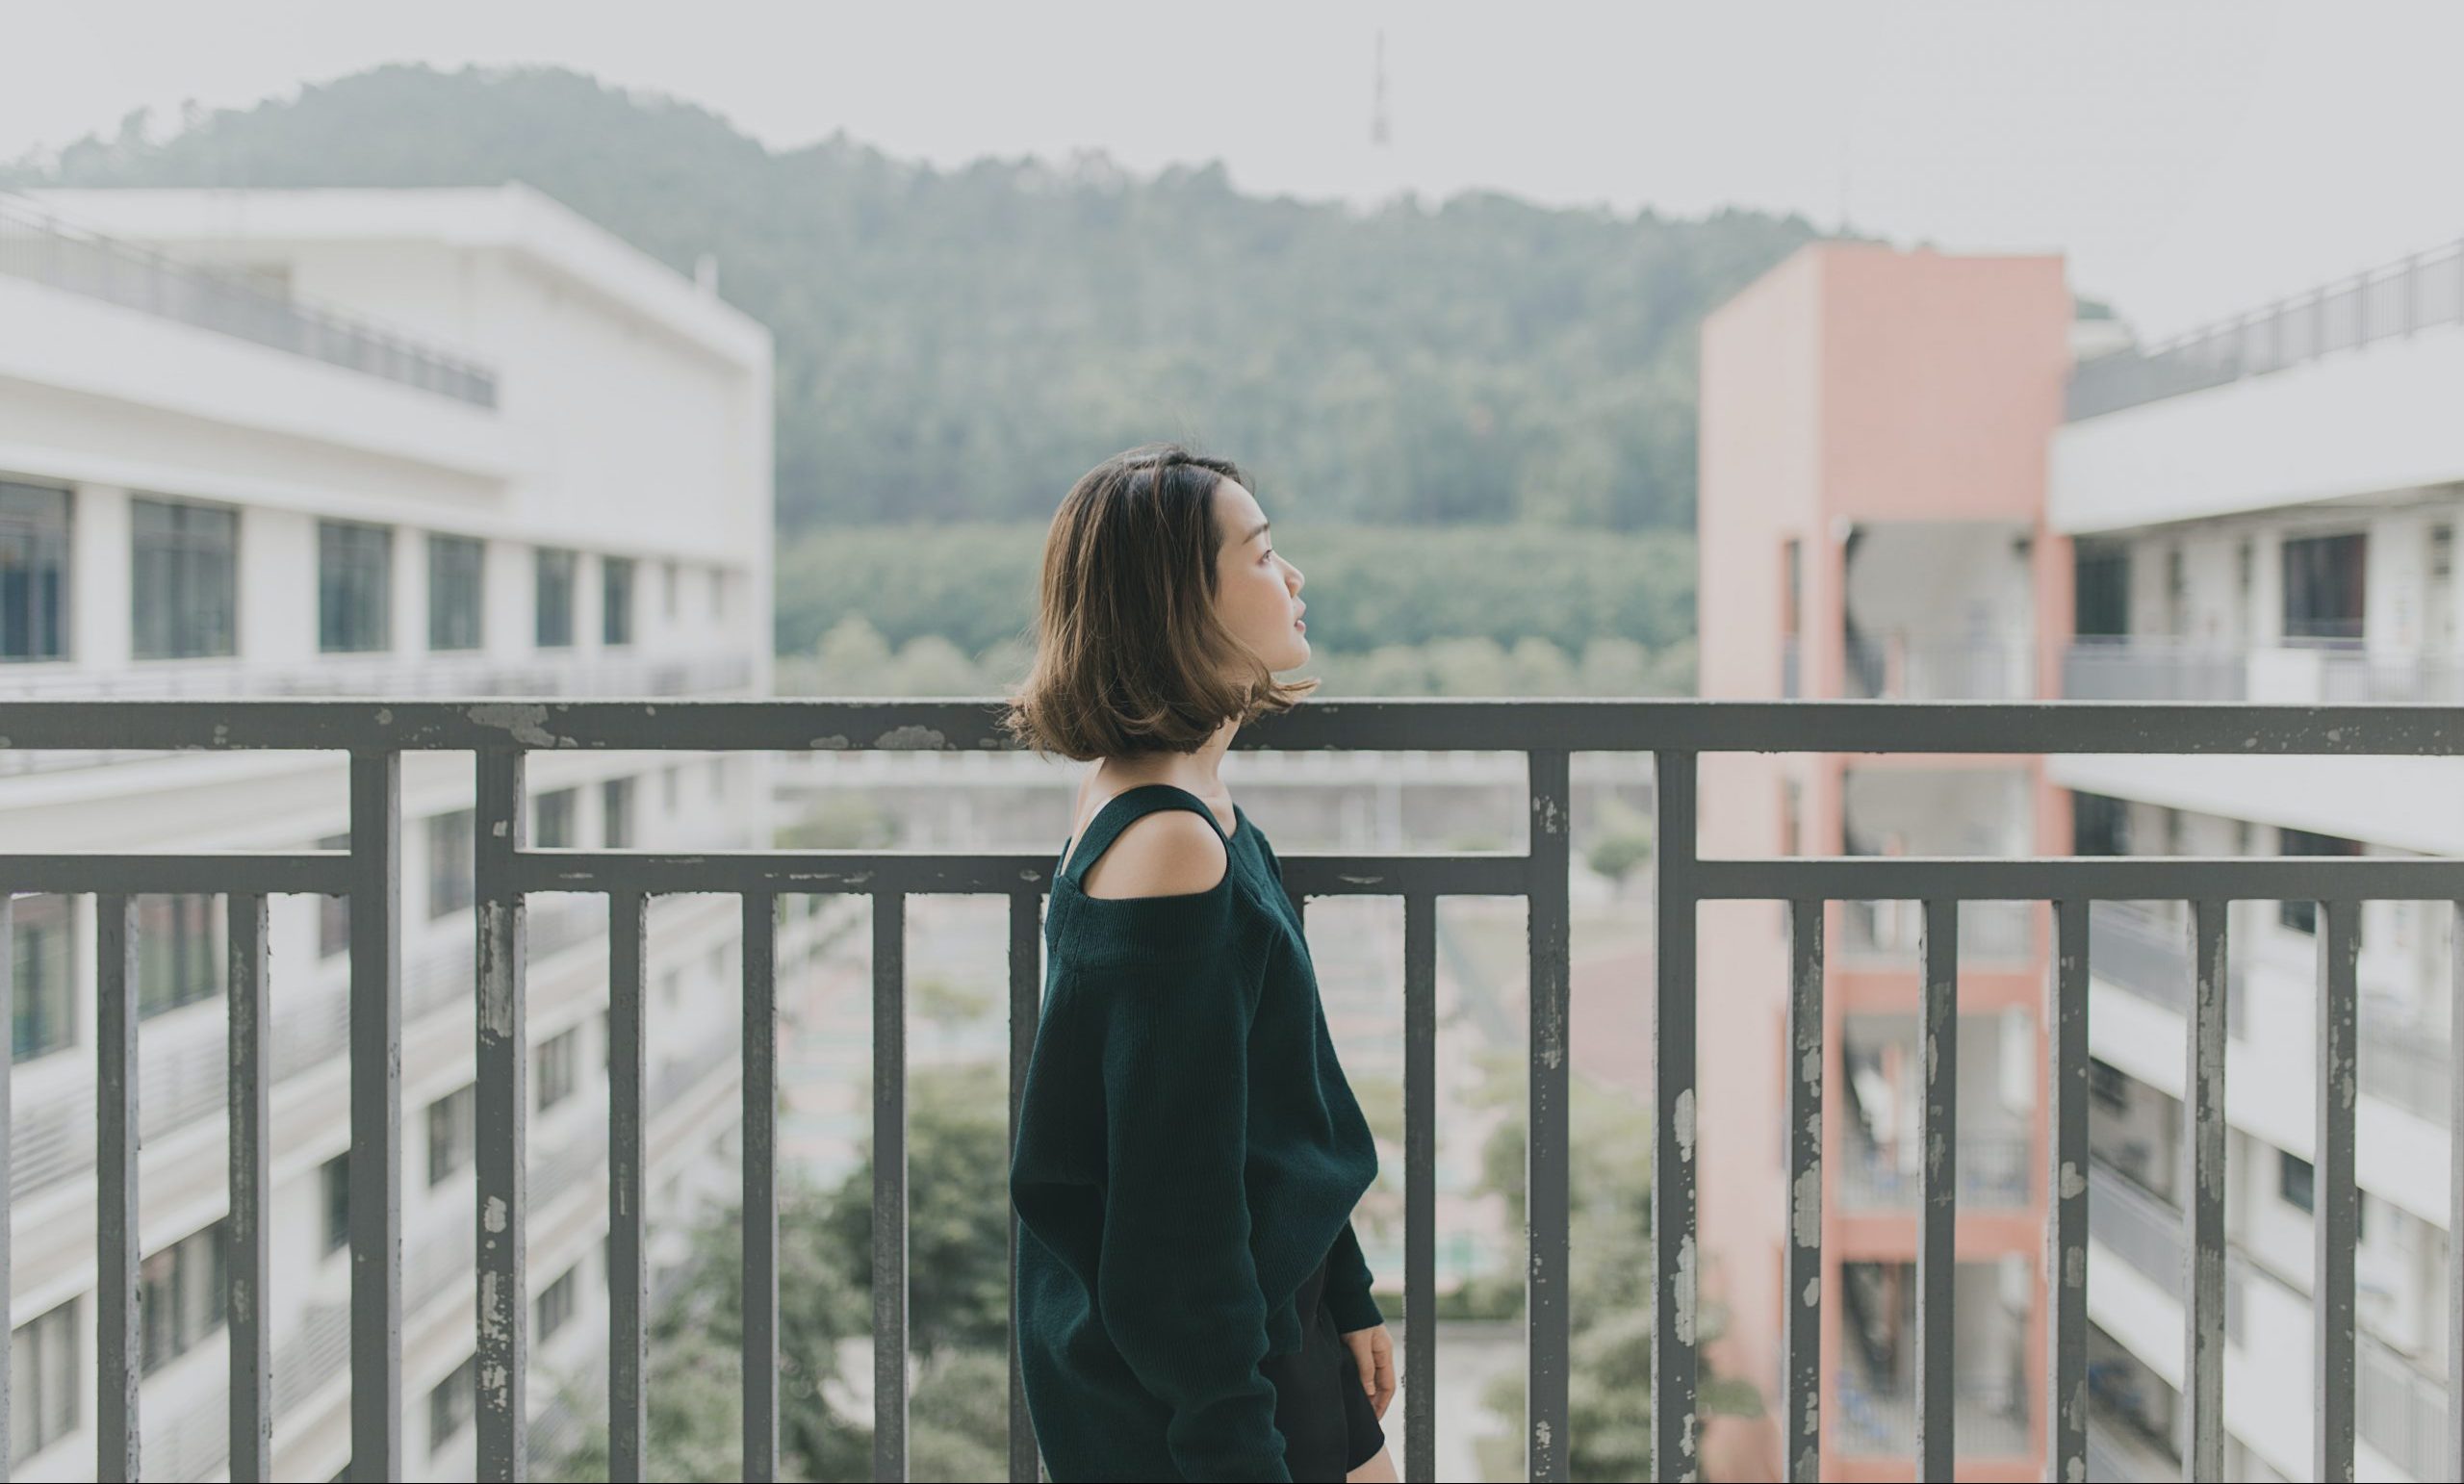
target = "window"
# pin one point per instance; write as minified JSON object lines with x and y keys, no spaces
{"x":616,"y":601}
{"x":2099,"y":825}
{"x":616,"y":810}
{"x":2303,"y":916}
{"x":181,"y":1297}
{"x":2108,"y":1084}
{"x":1791,"y":585}
{"x":449,"y":1406}
{"x":333,"y":913}
{"x":184,"y":564}
{"x":2100,"y":589}
{"x":450,"y":885}
{"x":354,"y":587}
{"x":179,"y":952}
{"x":718,"y":778}
{"x":671,"y":591}
{"x":333,"y":1179}
{"x":452,"y":1128}
{"x":555,"y":612}
{"x":559,"y":1067}
{"x":552,"y":823}
{"x":718,"y":593}
{"x":2323,"y":586}
{"x":43,"y":1014}
{"x":456,"y":592}
{"x":34,"y":573}
{"x":44,"y":1379}
{"x":669,"y":784}
{"x":556,"y":1303}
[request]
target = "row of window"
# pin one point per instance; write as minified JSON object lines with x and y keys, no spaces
{"x":452,"y":1128}
{"x":2324,"y":584}
{"x":183,"y":573}
{"x":453,"y":1400}
{"x":180,"y":939}
{"x":179,"y":961}
{"x":2100,"y":826}
{"x":180,"y":1307}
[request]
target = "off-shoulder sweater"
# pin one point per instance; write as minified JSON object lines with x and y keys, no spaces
{"x":1188,"y":1151}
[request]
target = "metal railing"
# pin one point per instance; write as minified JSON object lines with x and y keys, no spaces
{"x":500,"y":735}
{"x":1994,"y":1174}
{"x":1892,"y":666}
{"x":38,"y":246}
{"x":2338,"y":673}
{"x":2139,"y":951}
{"x":2424,"y":290}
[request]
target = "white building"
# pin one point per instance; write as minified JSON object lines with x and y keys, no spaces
{"x":206,"y":491}
{"x":2269,"y":514}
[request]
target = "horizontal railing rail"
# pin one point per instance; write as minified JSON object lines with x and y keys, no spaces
{"x":501,"y":735}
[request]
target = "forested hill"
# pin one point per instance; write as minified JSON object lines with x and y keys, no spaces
{"x":963,"y":344}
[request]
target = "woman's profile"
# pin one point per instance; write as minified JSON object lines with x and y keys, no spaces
{"x":1192,"y":1299}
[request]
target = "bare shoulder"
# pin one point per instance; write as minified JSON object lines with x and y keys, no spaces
{"x":1169,"y":852}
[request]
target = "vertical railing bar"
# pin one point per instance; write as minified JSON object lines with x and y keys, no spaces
{"x":2203,"y":1132}
{"x":1549,"y":1309}
{"x":248,"y":1273}
{"x":2065,"y":1368}
{"x":890,"y":1185}
{"x":1938,"y":1225}
{"x":2455,"y":1171}
{"x":2336,"y":1226}
{"x":1674,"y":1372}
{"x":374,"y":1172}
{"x":118,"y":1341}
{"x":759,"y":1299}
{"x":1419,"y":1188}
{"x":627,"y":1272}
{"x":1800,"y":1292}
{"x":7,"y":1017}
{"x":1026,"y":1008}
{"x":503,"y":1106}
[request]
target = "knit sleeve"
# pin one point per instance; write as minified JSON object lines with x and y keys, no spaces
{"x":1348,"y":1283}
{"x":1179,"y":1289}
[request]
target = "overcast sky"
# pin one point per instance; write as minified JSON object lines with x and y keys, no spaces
{"x":2191,"y":158}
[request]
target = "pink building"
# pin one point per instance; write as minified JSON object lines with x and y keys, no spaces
{"x":1874,"y":426}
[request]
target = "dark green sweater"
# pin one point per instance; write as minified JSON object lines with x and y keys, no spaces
{"x":1188,"y":1151}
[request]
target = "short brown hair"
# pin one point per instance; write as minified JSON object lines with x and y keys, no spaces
{"x":1130,"y":656}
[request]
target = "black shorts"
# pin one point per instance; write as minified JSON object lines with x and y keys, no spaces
{"x":1328,"y":1423}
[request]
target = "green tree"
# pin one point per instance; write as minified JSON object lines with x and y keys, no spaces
{"x":1622,"y":845}
{"x":958,"y":1309}
{"x":1609,"y":1363}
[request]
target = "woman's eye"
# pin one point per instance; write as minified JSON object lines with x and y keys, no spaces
{"x":1270,"y":556}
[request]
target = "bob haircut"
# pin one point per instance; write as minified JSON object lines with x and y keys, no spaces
{"x":1130,"y":656}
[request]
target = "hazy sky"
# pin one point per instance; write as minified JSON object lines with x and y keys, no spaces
{"x":2191,"y":158}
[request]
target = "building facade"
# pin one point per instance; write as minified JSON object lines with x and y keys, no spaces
{"x":331,"y":442}
{"x":1873,"y":426}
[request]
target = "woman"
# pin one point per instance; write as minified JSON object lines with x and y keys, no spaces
{"x":1191,"y":1300}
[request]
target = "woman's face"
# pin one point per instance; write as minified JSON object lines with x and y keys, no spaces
{"x":1258,"y":592}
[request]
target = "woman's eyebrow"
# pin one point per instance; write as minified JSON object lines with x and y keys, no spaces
{"x":1255,"y":534}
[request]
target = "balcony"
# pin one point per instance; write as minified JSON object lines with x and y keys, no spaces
{"x":1894,"y":667}
{"x":2148,"y":955}
{"x":2328,"y":673}
{"x":2387,"y":302}
{"x":36,"y":245}
{"x":2403,"y":1407}
{"x":511,"y":1189}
